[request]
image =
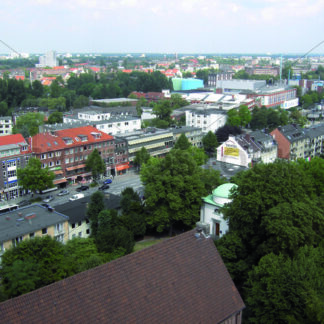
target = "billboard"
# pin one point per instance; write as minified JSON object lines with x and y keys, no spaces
{"x":231,"y":151}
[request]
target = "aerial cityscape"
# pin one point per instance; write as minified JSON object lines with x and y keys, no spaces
{"x":162,"y":162}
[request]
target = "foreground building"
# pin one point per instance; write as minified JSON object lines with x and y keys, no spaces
{"x":28,"y":222}
{"x":180,"y":280}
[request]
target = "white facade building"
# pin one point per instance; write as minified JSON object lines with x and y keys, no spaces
{"x":247,"y":149}
{"x":5,"y":125}
{"x":106,"y":122}
{"x":49,"y":59}
{"x":206,"y":119}
{"x":211,"y":216}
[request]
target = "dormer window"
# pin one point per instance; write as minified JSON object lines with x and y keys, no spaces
{"x":83,"y":138}
{"x":67,"y":140}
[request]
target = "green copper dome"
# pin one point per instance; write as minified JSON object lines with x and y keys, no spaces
{"x":224,"y":190}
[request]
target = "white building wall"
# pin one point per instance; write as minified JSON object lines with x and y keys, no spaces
{"x":210,"y":214}
{"x":207,"y":122}
{"x":82,"y":230}
{"x":231,"y":152}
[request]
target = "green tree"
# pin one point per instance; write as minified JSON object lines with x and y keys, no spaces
{"x":133,"y":217}
{"x":82,"y":254}
{"x":233,"y":118}
{"x":198,"y":154}
{"x":96,"y":164}
{"x":284,"y":290}
{"x":28,"y":124}
{"x":55,"y":118}
{"x":269,"y":220}
{"x":33,"y":177}
{"x":177,"y":101}
{"x":81,"y":101}
{"x":173,"y":190}
{"x":128,"y":196}
{"x":245,"y":115}
{"x":211,"y":179}
{"x":111,"y":234}
{"x":210,"y":143}
{"x":162,"y":110}
{"x":45,"y":264}
{"x":141,"y":157}
{"x":96,"y":205}
{"x":182,"y":142}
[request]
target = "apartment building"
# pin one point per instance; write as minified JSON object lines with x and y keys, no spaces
{"x":295,"y":142}
{"x":206,"y":119}
{"x":6,"y":125}
{"x":31,"y":221}
{"x":65,"y":152}
{"x":14,"y":154}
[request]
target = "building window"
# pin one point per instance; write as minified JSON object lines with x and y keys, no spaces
{"x":44,"y":230}
{"x":58,"y":162}
{"x":79,"y":224}
{"x":31,"y":235}
{"x":73,"y":225}
{"x":87,"y":221}
{"x":88,"y":231}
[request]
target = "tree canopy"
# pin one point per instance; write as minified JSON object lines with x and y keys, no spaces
{"x":182,"y":142}
{"x":141,"y":157}
{"x":33,"y":177}
{"x":210,"y":143}
{"x":173,"y":190}
{"x":96,"y":164}
{"x":276,"y":211}
{"x":28,"y":124}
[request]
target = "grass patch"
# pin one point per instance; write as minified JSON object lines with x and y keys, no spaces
{"x":142,"y":245}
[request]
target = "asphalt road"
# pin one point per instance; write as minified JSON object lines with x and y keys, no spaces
{"x":118,"y":184}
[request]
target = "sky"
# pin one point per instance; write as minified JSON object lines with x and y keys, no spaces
{"x":162,"y":26}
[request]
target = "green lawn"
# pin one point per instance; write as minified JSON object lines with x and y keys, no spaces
{"x":142,"y":245}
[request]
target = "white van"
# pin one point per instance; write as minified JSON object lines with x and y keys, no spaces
{"x":76,"y":196}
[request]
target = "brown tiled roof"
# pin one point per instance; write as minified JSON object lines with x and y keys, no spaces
{"x":181,"y":280}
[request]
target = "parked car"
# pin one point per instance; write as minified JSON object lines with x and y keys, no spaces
{"x":63,"y":192}
{"x":82,"y":188}
{"x":107,"y":181}
{"x":46,"y":205}
{"x":47,"y":199}
{"x":23,"y":203}
{"x":104,"y":186}
{"x":76,"y":196}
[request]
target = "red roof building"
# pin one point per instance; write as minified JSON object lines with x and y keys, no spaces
{"x":65,"y":151}
{"x":180,"y":280}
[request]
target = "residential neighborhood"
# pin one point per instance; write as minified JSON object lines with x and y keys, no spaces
{"x":160,"y":188}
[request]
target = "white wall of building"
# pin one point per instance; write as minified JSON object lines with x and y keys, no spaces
{"x":206,"y":121}
{"x":231,"y":152}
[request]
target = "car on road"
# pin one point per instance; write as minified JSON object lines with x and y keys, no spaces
{"x":23,"y":203}
{"x":104,"y":187}
{"x":47,"y":199}
{"x":63,"y":192}
{"x":46,"y":205}
{"x":82,"y":188}
{"x":76,"y":197}
{"x":107,"y":181}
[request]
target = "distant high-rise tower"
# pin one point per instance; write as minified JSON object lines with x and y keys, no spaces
{"x":49,"y":59}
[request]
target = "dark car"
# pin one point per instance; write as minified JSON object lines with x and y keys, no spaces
{"x":82,"y":188}
{"x":107,"y":181}
{"x":24,"y":203}
{"x":104,"y":187}
{"x":46,"y":205}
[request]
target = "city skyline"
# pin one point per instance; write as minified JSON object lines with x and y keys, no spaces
{"x":140,"y":26}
